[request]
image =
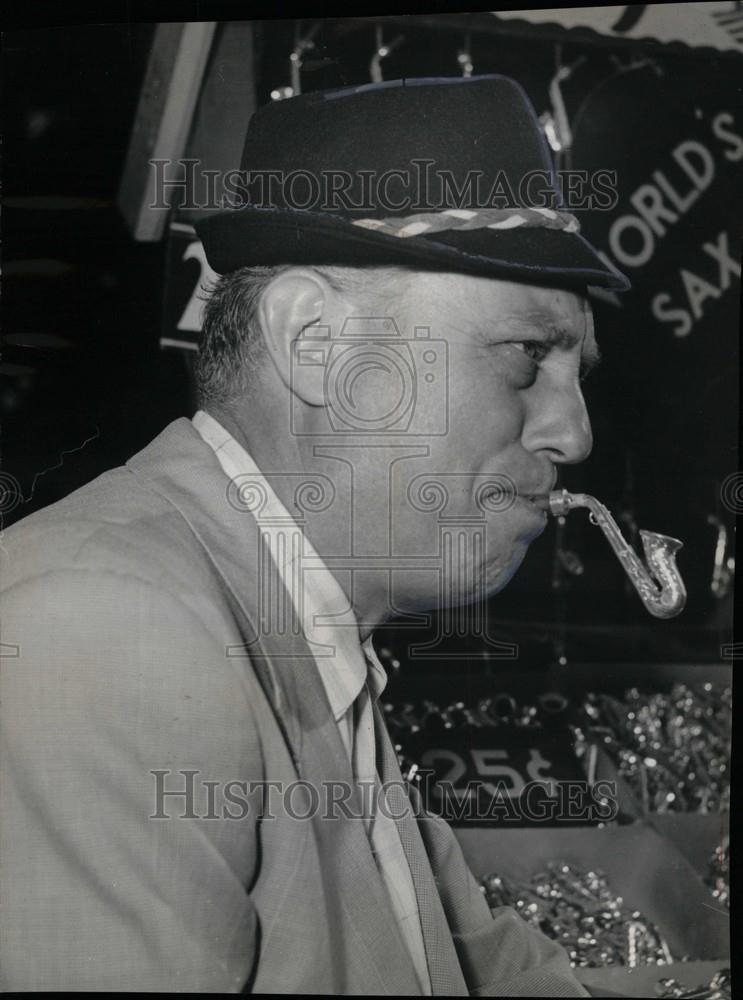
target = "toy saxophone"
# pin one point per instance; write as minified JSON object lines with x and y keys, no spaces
{"x":662,"y":589}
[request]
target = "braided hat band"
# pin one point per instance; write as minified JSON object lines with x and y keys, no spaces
{"x":463,"y":219}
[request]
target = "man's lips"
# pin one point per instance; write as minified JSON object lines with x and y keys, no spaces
{"x":538,"y":497}
{"x":539,"y":500}
{"x":534,"y":494}
{"x":539,"y":492}
{"x":535,"y":504}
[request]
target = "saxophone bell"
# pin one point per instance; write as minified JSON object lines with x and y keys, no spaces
{"x":659,"y":584}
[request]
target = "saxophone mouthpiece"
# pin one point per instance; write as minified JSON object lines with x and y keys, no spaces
{"x":558,"y":502}
{"x":541,"y":500}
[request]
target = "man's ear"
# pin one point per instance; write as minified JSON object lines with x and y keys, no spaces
{"x":291,"y":312}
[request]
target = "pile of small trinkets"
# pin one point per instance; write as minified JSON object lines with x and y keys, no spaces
{"x":502,"y":709}
{"x":672,"y":748}
{"x":580,"y":911}
{"x":718,"y":988}
{"x":718,"y":873}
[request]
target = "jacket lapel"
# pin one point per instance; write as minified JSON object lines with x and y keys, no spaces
{"x":181,"y":467}
{"x":443,"y":964}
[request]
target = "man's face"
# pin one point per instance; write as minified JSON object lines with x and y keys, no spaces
{"x":503,"y":410}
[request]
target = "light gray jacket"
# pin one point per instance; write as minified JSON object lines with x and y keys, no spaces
{"x":130,"y":606}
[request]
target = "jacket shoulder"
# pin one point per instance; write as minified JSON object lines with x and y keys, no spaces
{"x":114,"y":524}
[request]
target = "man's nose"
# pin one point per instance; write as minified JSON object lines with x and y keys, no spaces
{"x":557,"y":425}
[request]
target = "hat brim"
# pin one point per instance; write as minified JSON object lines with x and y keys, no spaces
{"x":253,"y":236}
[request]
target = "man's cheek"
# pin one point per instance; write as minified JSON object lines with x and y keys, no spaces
{"x":507,"y":545}
{"x":504,"y":567}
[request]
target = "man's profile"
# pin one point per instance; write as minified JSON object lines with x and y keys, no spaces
{"x":200,"y":792}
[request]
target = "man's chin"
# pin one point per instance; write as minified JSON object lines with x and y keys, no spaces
{"x":501,"y":573}
{"x":534,"y":525}
{"x":418,"y":592}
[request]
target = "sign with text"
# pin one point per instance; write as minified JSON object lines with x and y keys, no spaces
{"x":507,"y":776}
{"x":188,"y":279}
{"x":716,"y":25}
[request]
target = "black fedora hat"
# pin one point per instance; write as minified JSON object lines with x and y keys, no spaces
{"x":451,"y":174}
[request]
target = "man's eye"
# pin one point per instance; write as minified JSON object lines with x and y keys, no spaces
{"x":533,"y":349}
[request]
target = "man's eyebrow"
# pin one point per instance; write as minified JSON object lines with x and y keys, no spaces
{"x":554,"y":335}
{"x":566,"y":339}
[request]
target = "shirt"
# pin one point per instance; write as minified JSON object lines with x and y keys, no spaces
{"x":351,"y":674}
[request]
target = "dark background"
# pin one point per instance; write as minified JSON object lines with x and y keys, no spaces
{"x":85,"y":383}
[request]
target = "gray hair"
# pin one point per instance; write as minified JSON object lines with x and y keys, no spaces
{"x":232,"y":346}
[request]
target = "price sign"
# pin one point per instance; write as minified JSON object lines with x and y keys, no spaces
{"x":508,"y":776}
{"x":187,"y":279}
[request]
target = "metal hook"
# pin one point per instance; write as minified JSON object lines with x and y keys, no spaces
{"x":636,"y":63}
{"x":558,"y":127}
{"x":382,"y":51}
{"x":302,"y":44}
{"x":464,"y":58}
{"x":723,"y":567}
